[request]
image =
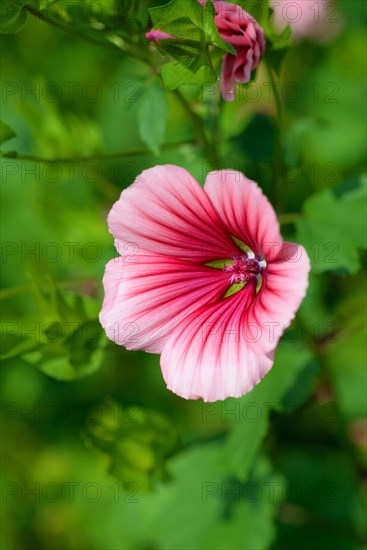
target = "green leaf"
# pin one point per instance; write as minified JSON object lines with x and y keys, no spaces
{"x":152,"y":117}
{"x":313,"y":306}
{"x":5,"y":132}
{"x":212,"y":32}
{"x":188,"y":20}
{"x":66,"y":340}
{"x":55,"y":363}
{"x":15,"y":346}
{"x":346,"y":355}
{"x":137,"y":441}
{"x":252,"y":411}
{"x":58,"y":134}
{"x":277,"y":48}
{"x":193,"y":472}
{"x":175,"y":74}
{"x":84,"y":342}
{"x":333,"y":228}
{"x":244,"y":441}
{"x":9,"y":154}
{"x":13,"y":16}
{"x":249,"y":519}
{"x":216,"y":511}
{"x":194,"y":30}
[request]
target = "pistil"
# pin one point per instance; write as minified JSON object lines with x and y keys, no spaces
{"x":245,"y":268}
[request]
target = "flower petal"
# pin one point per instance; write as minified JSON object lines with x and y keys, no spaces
{"x":245,"y":211}
{"x":284,"y":286}
{"x":228,"y":79}
{"x":147,"y":297}
{"x":165,"y":211}
{"x":207,"y":355}
{"x":243,"y":66}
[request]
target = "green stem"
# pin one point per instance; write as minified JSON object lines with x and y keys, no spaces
{"x":101,"y":157}
{"x":71,"y":32}
{"x":197,"y":122}
{"x":23,"y":289}
{"x":276,"y":92}
{"x":210,"y":148}
{"x":278,"y":117}
{"x":215,"y":112}
{"x":107,"y":188}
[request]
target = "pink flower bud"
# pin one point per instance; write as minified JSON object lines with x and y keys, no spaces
{"x":242,"y":31}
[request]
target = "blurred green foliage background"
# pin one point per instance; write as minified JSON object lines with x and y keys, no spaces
{"x":97,"y":453}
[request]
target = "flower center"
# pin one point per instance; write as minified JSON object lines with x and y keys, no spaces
{"x":245,"y":268}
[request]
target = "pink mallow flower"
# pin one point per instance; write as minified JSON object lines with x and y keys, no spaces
{"x":204,"y":278}
{"x":242,"y":31}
